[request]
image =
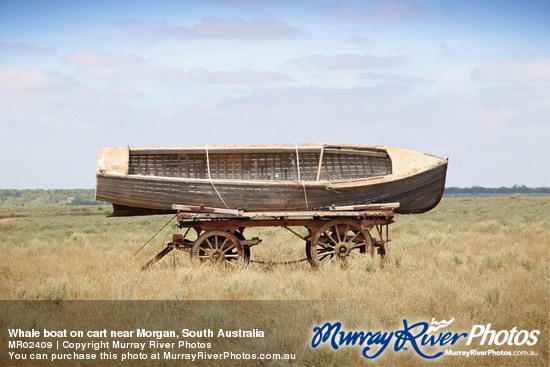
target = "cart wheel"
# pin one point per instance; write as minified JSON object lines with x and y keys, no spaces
{"x":339,"y":239}
{"x":246,"y":249}
{"x":217,"y":247}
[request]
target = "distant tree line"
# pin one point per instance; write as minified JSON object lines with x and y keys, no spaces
{"x":482,"y":191}
{"x":41,"y":197}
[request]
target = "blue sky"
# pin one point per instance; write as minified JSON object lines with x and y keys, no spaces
{"x":469,"y":80}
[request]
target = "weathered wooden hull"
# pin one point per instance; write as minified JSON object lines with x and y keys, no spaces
{"x":141,"y":195}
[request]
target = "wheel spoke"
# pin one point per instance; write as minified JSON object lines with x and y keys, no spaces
{"x":360,"y":244}
{"x":337,"y":233}
{"x":324,"y":244}
{"x":346,"y":233}
{"x":209,"y":243}
{"x":216,"y":241}
{"x":330,"y":237}
{"x":232,"y":246}
{"x":357,"y":234}
{"x":357,"y":253}
{"x":324,"y":256}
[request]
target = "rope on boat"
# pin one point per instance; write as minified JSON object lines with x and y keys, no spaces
{"x":305,"y":194}
{"x":150,"y":239}
{"x":210,"y":178}
{"x":300,"y":176}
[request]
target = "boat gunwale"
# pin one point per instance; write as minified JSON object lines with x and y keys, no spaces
{"x":255,"y":147}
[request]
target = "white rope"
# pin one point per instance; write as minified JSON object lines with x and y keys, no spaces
{"x":210,"y":177}
{"x":300,"y":176}
{"x":305,"y":194}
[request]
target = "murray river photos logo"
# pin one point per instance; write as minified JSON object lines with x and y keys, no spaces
{"x":418,"y":337}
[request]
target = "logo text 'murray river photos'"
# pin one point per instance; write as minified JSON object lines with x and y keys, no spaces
{"x":416,"y":336}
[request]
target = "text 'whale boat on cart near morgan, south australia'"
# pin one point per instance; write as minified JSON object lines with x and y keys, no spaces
{"x":297,"y":177}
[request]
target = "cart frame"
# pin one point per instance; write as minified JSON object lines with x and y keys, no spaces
{"x":335,"y":234}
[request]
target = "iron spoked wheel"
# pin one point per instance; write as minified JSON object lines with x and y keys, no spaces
{"x":217,"y":248}
{"x":338,"y":240}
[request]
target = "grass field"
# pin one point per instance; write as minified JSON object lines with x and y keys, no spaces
{"x":480,"y":260}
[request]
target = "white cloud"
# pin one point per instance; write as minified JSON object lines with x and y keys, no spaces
{"x":383,"y":10}
{"x":446,"y":50}
{"x":103,"y":59}
{"x":358,"y":40}
{"x":243,"y":76}
{"x":124,"y":91}
{"x":513,"y":71}
{"x":393,"y":78}
{"x":26,"y":48}
{"x":118,"y":66}
{"x":265,"y":27}
{"x":24,"y":78}
{"x":348,"y":61}
{"x":122,"y":66}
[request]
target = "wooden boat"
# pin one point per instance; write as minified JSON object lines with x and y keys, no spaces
{"x":150,"y":180}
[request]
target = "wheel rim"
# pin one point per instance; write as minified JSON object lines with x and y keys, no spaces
{"x":338,"y":240}
{"x":217,"y":248}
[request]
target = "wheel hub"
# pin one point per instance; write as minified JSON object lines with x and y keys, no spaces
{"x":342,"y":249}
{"x":216,"y":255}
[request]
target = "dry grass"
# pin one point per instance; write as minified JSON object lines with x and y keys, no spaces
{"x":480,"y":260}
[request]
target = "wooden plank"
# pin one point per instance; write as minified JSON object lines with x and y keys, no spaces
{"x":182,"y":163}
{"x":367,"y":206}
{"x":289,"y":214}
{"x":228,"y":150}
{"x":199,"y":209}
{"x":356,"y":152}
